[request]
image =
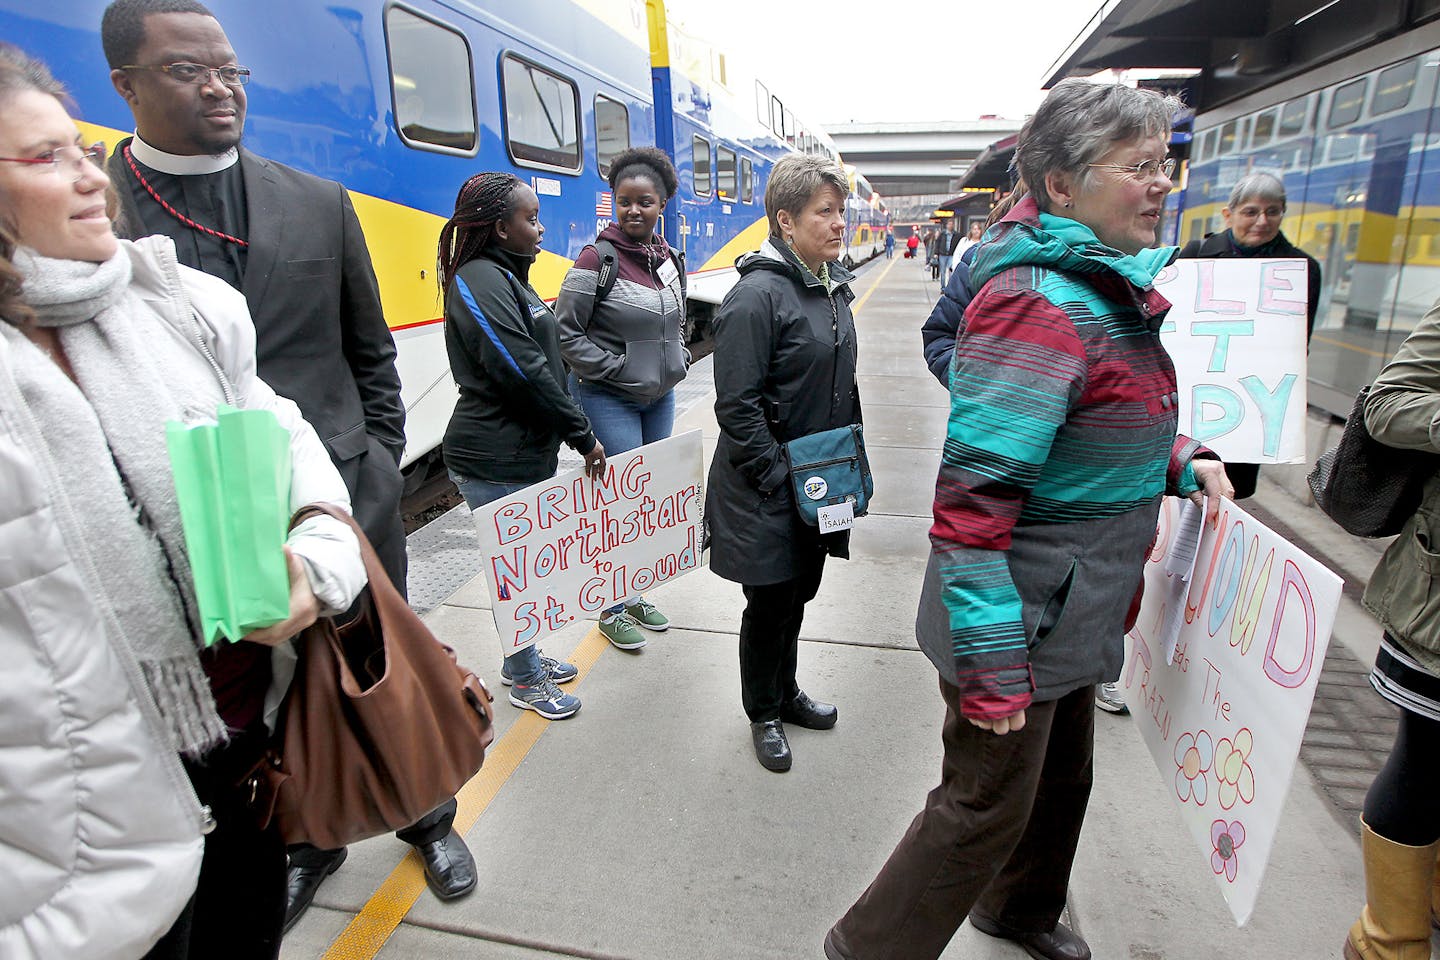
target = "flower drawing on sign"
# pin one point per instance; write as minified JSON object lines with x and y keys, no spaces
{"x":1193,"y":755}
{"x":1226,"y":838}
{"x":1232,"y":768}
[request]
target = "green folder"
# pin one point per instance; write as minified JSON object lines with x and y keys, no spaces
{"x":232,"y":480}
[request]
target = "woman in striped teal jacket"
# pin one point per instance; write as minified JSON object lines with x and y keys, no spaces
{"x":1061,"y":442}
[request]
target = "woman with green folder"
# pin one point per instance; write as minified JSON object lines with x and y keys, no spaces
{"x":136,"y":737}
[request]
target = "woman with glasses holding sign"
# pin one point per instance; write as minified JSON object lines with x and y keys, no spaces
{"x":1252,"y":229}
{"x":129,"y":740}
{"x":785,"y":354}
{"x":1061,"y":443}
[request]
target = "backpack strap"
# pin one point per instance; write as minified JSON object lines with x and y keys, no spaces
{"x":608,"y":271}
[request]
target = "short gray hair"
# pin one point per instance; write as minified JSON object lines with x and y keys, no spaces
{"x":795,"y":180}
{"x":1079,"y":122}
{"x":1262,"y":185}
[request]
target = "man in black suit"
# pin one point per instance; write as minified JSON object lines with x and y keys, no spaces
{"x":291,"y":243}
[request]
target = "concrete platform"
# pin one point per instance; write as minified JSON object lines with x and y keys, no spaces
{"x":643,"y":828}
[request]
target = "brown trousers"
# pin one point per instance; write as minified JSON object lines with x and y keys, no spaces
{"x":998,"y":835}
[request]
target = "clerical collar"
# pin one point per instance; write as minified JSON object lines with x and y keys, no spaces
{"x":179,"y":166}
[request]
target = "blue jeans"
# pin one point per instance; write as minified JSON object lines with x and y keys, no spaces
{"x":622,"y":423}
{"x":523,"y":665}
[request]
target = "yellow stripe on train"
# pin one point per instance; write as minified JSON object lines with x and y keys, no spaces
{"x":402,"y":242}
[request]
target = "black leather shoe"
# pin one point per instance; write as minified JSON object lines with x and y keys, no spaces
{"x":1062,"y":943}
{"x":810,"y":714}
{"x":302,"y":879}
{"x":771,"y":747}
{"x":449,"y":867}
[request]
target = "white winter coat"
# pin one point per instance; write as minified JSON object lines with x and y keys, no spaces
{"x":101,"y":834}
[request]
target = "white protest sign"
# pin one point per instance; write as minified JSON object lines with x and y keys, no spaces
{"x":1224,"y":720}
{"x":1236,"y":333}
{"x":572,"y":546}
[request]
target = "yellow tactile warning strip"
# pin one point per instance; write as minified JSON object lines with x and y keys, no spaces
{"x":392,"y":900}
{"x":397,"y":893}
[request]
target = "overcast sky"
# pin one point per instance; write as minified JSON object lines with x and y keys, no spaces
{"x":894,"y":60}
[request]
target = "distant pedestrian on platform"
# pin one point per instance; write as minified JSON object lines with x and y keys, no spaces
{"x":1043,"y":516}
{"x":890,"y":244}
{"x":621,"y":314}
{"x":944,"y":244}
{"x":514,"y":411}
{"x":1400,"y":823}
{"x":912,"y":243}
{"x":1252,"y":229}
{"x":977,"y":230}
{"x":785,"y":350}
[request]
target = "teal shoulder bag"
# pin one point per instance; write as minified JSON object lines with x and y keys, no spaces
{"x":830,"y":477}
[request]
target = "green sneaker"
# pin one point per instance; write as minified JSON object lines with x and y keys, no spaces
{"x":623,"y":632}
{"x":648,"y":615}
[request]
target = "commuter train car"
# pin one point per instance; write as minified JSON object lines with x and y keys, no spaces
{"x":402,"y":100}
{"x":866,"y":220}
{"x":1355,"y":143}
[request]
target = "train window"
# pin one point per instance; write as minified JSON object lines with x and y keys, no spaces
{"x":725,"y":172}
{"x":542,"y":116}
{"x":1228,"y":135}
{"x":1394,"y":86}
{"x":777,"y":117}
{"x":430,"y":83}
{"x":1263,"y":129}
{"x":790,"y":130}
{"x":1347,"y":102}
{"x":1202,"y":146}
{"x":1293,"y":117}
{"x":612,"y":131}
{"x":762,"y":104}
{"x":700,"y":152}
{"x":747,"y":180}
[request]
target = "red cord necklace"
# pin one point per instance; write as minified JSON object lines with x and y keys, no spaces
{"x":135,"y":169}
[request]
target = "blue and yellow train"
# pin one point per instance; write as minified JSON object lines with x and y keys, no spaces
{"x":402,"y":100}
{"x":1357,"y":143}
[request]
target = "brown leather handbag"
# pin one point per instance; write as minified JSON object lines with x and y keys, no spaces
{"x":380,"y":726}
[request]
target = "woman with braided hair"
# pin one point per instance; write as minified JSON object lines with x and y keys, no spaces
{"x":513,"y":410}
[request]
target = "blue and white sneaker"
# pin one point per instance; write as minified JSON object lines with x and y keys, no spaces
{"x":545,"y":699}
{"x":558,"y":672}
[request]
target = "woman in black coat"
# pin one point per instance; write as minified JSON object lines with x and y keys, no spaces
{"x":1252,"y":229}
{"x":784,"y":368}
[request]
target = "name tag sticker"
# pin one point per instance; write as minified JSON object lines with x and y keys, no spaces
{"x":839,"y":516}
{"x":667,"y":273}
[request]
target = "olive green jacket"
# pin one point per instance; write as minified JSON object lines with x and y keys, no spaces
{"x":1403,"y":410}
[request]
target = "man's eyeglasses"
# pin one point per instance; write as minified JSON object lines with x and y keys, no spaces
{"x":1146,"y":170}
{"x":231,"y":76}
{"x":72,"y":157}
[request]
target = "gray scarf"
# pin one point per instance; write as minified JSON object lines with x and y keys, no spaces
{"x":105,"y":437}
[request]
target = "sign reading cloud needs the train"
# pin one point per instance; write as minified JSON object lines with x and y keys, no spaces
{"x":570,"y":547}
{"x":1223,"y":720}
{"x":1236,"y":332}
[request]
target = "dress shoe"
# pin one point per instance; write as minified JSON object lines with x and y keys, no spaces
{"x":810,"y":714}
{"x":1062,"y":943}
{"x":449,"y":867}
{"x":771,"y":747}
{"x":835,"y":946}
{"x":303,"y":877}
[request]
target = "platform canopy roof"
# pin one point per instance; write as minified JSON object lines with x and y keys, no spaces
{"x":1238,"y":46}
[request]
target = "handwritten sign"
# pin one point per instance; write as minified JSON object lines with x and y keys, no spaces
{"x":1236,"y":332}
{"x":572,"y":546}
{"x":1224,"y":720}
